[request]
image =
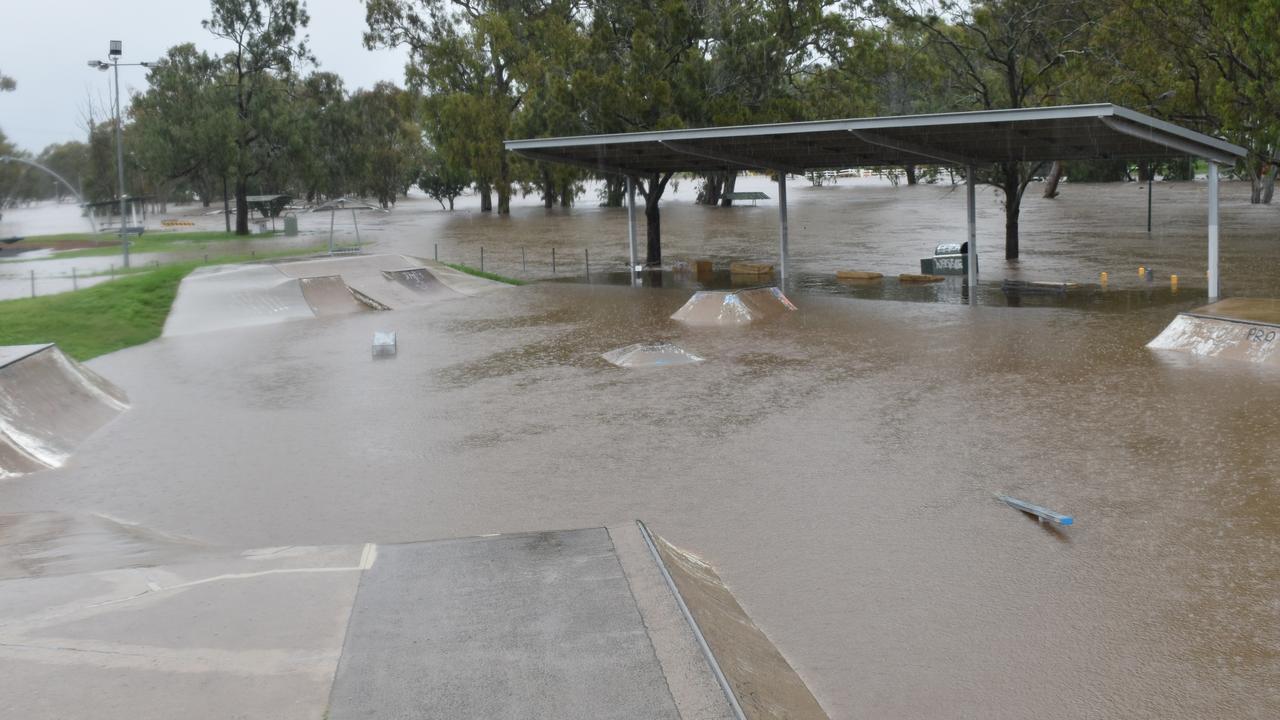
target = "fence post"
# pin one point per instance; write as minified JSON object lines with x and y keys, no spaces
{"x":75,"y":283}
{"x":481,"y":258}
{"x":553,"y":261}
{"x":33,"y":283}
{"x":524,"y":265}
{"x":437,"y":252}
{"x":587,"y":263}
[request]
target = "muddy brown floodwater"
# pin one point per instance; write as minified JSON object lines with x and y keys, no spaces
{"x":837,"y":467}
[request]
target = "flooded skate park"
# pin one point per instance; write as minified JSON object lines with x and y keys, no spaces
{"x":255,"y":504}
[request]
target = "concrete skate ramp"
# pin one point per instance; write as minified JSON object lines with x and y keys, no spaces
{"x":717,"y":308}
{"x":235,"y":296}
{"x":538,"y":625}
{"x":49,"y":404}
{"x":421,"y":281}
{"x":329,"y":295}
{"x":1243,"y":329}
{"x":650,"y":355}
{"x":762,"y":681}
{"x":388,"y":282}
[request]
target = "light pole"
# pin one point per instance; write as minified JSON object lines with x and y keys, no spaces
{"x":116,"y":50}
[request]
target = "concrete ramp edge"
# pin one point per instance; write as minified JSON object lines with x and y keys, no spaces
{"x":756,"y":679}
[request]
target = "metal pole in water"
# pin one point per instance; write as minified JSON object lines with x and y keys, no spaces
{"x":437,"y":252}
{"x":586,"y":264}
{"x":1213,"y":230}
{"x":631,"y":224}
{"x":524,"y":263}
{"x":1151,"y":181}
{"x":972,"y":205}
{"x":553,"y":261}
{"x":782,"y":229}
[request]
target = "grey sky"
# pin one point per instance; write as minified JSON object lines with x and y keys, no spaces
{"x":45,"y":44}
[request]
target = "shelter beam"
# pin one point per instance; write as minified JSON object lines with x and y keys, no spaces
{"x":587,"y":164}
{"x":1166,"y":140}
{"x":745,"y":162}
{"x":911,"y":148}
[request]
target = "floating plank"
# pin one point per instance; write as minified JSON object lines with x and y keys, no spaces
{"x":858,"y":275}
{"x":919,"y":279}
{"x":746,"y":268}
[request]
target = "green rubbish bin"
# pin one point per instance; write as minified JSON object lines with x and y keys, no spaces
{"x":291,"y":225}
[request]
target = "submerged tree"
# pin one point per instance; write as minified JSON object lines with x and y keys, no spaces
{"x":265,"y":52}
{"x":1003,"y":54}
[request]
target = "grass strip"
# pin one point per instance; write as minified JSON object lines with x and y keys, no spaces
{"x":486,"y":275}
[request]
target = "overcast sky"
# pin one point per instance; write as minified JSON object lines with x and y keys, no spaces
{"x":45,"y":45}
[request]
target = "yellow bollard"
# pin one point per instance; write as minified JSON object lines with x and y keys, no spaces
{"x":1173,"y":283}
{"x":1141,"y":271}
{"x":1103,"y":278}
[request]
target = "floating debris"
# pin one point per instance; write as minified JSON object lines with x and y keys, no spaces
{"x":1042,"y":513}
{"x":384,"y":344}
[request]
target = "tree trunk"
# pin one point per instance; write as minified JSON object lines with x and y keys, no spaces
{"x":566,"y":194}
{"x":730,"y":182}
{"x":1255,"y":188}
{"x":242,"y":206}
{"x":226,"y":204}
{"x":1269,"y":184}
{"x":548,"y":189}
{"x":652,"y":191}
{"x":1051,"y":182}
{"x":911,"y":174}
{"x":709,"y":193}
{"x":653,"y":232}
{"x":1012,"y":205}
{"x":486,"y":197}
{"x":615,"y":190}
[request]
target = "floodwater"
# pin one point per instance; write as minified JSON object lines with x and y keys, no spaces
{"x":838,"y":467}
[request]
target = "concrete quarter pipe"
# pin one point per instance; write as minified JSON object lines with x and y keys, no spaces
{"x":49,"y":404}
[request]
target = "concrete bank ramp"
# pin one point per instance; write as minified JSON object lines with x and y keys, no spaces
{"x":762,"y":682}
{"x":49,"y":404}
{"x":1242,"y":329}
{"x":236,"y":296}
{"x":718,"y":308}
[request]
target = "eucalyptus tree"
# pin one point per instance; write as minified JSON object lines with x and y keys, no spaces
{"x":1003,"y":54}
{"x":265,"y":52}
{"x":1210,"y":64}
{"x":470,"y":56}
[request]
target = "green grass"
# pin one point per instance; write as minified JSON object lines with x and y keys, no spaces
{"x":110,"y":316}
{"x":146,"y":243}
{"x":486,"y":275}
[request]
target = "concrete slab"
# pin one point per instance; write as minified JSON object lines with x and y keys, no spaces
{"x":1223,"y":338}
{"x":329,"y":295}
{"x":538,"y":625}
{"x":213,"y":635}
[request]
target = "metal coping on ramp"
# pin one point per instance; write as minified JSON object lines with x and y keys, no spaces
{"x":1242,"y":329}
{"x":756,"y":679}
{"x":10,"y":354}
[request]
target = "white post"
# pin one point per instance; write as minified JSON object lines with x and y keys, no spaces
{"x":1213,"y":230}
{"x":782,"y":230}
{"x":631,"y":224}
{"x":971,"y":200}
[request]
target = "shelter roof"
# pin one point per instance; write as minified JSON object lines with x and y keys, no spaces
{"x":1069,"y":132}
